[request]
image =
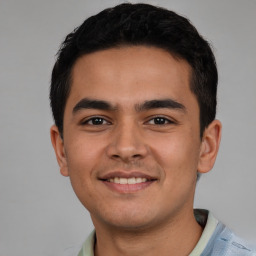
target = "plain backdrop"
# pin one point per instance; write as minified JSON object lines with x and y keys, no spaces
{"x":39,"y":213}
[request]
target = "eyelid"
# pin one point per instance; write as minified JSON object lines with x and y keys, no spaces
{"x":168,"y":119}
{"x":90,"y":118}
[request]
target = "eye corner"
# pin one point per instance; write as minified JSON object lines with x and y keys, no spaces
{"x":160,"y":121}
{"x":95,"y":121}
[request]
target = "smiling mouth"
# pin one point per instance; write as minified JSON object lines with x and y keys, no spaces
{"x":123,"y":181}
{"x":126,"y":185}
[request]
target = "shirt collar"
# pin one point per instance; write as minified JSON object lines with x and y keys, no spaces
{"x":203,"y":217}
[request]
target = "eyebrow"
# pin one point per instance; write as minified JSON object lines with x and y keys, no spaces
{"x":93,"y":104}
{"x":87,"y":103}
{"x":163,"y":103}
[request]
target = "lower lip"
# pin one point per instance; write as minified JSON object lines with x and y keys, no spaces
{"x":128,"y":188}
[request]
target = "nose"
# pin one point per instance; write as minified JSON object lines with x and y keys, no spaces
{"x":127,"y":143}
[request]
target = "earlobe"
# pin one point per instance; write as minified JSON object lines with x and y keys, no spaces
{"x":57,"y":143}
{"x":209,"y":146}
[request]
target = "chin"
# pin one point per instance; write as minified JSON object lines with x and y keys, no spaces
{"x":127,"y":219}
{"x":130,"y":224}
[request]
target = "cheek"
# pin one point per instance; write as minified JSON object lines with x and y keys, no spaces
{"x":83,"y":156}
{"x":83,"y":150}
{"x":81,"y":160}
{"x":178,"y":153}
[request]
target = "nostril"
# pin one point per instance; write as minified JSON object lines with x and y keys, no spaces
{"x":126,"y":158}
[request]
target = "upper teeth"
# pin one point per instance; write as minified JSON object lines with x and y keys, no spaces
{"x":127,"y":181}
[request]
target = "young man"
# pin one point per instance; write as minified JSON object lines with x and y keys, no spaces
{"x":133,"y":95}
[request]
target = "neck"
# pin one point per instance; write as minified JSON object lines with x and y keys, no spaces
{"x":177,"y":237}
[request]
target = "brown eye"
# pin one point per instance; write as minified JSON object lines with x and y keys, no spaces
{"x":96,"y":121}
{"x":159,"y":121}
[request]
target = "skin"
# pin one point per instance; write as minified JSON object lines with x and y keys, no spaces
{"x":154,"y":217}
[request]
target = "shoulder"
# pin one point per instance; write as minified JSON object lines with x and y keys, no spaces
{"x":224,"y":242}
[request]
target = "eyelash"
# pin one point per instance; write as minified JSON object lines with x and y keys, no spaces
{"x":95,"y":118}
{"x":103,"y":121}
{"x":160,"y":119}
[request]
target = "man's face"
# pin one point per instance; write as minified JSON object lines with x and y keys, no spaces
{"x":131,"y":141}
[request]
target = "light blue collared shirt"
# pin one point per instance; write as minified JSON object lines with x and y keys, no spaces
{"x":216,"y":240}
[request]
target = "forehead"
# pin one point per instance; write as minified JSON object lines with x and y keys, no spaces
{"x":130,"y":74}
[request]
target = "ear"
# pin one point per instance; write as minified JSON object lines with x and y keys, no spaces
{"x":209,"y":146}
{"x":58,"y":145}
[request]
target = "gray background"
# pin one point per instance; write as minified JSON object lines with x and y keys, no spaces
{"x":39,"y":213}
